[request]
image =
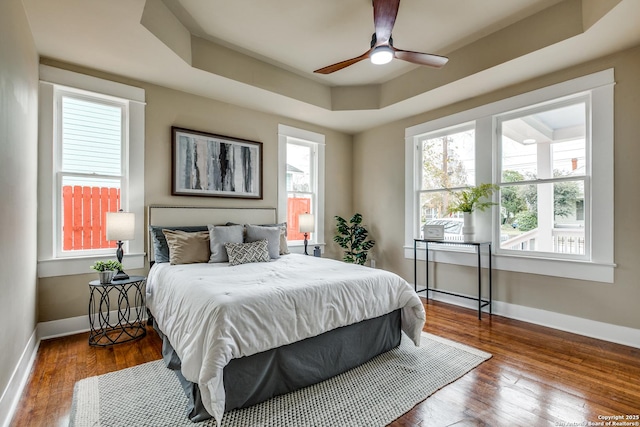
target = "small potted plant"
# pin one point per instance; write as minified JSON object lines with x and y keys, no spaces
{"x":106,"y":270}
{"x":353,"y":238}
{"x":469,"y":200}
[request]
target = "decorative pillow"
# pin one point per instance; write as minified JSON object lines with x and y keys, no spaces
{"x":221,"y":234}
{"x":271,"y":234}
{"x":187,"y":248}
{"x":243,"y":253}
{"x":284,"y":247}
{"x":160,"y":248}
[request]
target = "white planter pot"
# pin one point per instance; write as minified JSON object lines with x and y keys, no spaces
{"x":468,"y":229}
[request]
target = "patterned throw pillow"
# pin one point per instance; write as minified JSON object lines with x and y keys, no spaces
{"x":243,"y":253}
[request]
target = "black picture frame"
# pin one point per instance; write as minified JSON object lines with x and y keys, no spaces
{"x":211,"y":165}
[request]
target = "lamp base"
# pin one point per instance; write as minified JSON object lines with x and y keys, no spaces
{"x":306,"y":242}
{"x":120,"y":275}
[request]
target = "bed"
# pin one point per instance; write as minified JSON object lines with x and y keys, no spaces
{"x":237,"y":335}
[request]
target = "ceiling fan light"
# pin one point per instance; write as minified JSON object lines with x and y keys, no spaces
{"x":381,"y":55}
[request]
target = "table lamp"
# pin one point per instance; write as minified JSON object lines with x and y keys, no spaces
{"x":306,"y":224}
{"x":120,"y":227}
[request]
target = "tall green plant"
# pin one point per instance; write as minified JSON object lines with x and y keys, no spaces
{"x":352,"y":237}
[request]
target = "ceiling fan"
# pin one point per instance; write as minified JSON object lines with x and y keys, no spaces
{"x":382,"y":49}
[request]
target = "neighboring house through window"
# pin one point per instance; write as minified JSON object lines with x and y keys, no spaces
{"x":543,"y":173}
{"x":91,"y":162}
{"x":301,"y":181}
{"x":550,"y":152}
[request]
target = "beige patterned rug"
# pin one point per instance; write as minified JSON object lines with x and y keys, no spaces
{"x":370,"y":395}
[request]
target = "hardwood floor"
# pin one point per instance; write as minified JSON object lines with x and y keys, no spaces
{"x":536,"y":377}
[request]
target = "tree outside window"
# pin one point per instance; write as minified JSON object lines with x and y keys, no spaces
{"x":447,"y":162}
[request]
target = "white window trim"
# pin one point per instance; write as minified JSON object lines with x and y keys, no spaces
{"x":58,"y":94}
{"x":284,"y":133}
{"x":49,"y":264}
{"x":601,"y":266}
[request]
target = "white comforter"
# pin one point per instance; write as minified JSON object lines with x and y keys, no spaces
{"x":213,"y":313}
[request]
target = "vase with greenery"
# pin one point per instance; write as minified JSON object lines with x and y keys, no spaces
{"x":469,"y":200}
{"x":352,"y":237}
{"x":106,"y":269}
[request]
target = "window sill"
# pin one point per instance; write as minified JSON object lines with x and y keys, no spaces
{"x":82,"y":265}
{"x":570,"y":269}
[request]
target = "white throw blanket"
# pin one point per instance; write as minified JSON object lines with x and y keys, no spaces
{"x":213,"y":313}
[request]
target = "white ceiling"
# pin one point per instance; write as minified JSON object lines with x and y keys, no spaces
{"x":301,"y":36}
{"x":308,"y":35}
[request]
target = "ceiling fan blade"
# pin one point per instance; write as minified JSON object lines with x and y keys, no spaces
{"x":344,"y":64}
{"x":384,"y":17}
{"x":435,"y":61}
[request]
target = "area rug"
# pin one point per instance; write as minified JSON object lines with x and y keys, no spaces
{"x":370,"y":395}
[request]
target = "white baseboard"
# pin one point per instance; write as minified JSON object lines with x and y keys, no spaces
{"x":62,"y":327}
{"x":75,"y":325}
{"x":12,"y":393}
{"x":577,"y":325}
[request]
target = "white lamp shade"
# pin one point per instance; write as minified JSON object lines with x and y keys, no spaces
{"x":306,"y":223}
{"x":120,"y":225}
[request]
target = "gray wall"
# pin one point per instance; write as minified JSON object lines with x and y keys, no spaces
{"x":380,"y":198}
{"x":18,"y":175}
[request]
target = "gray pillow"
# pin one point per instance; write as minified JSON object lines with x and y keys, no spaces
{"x":221,"y":234}
{"x":160,"y":248}
{"x":271,"y":234}
{"x":244,"y":253}
{"x":284,"y":246}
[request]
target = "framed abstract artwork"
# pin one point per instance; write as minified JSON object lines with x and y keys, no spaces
{"x":206,"y":164}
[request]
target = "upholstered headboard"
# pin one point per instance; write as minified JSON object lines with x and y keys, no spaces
{"x":172,"y":216}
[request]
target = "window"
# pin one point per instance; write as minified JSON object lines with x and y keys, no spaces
{"x":543,"y":174}
{"x":91,"y":136}
{"x":550,"y":152}
{"x":90,"y":173}
{"x":301,"y":182}
{"x":447,"y":162}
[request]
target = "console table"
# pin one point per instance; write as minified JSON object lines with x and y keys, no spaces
{"x":478,"y":248}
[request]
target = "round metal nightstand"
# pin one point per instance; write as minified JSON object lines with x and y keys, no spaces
{"x":128,"y":324}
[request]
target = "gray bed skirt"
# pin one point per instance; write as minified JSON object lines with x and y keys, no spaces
{"x":254,"y":379}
